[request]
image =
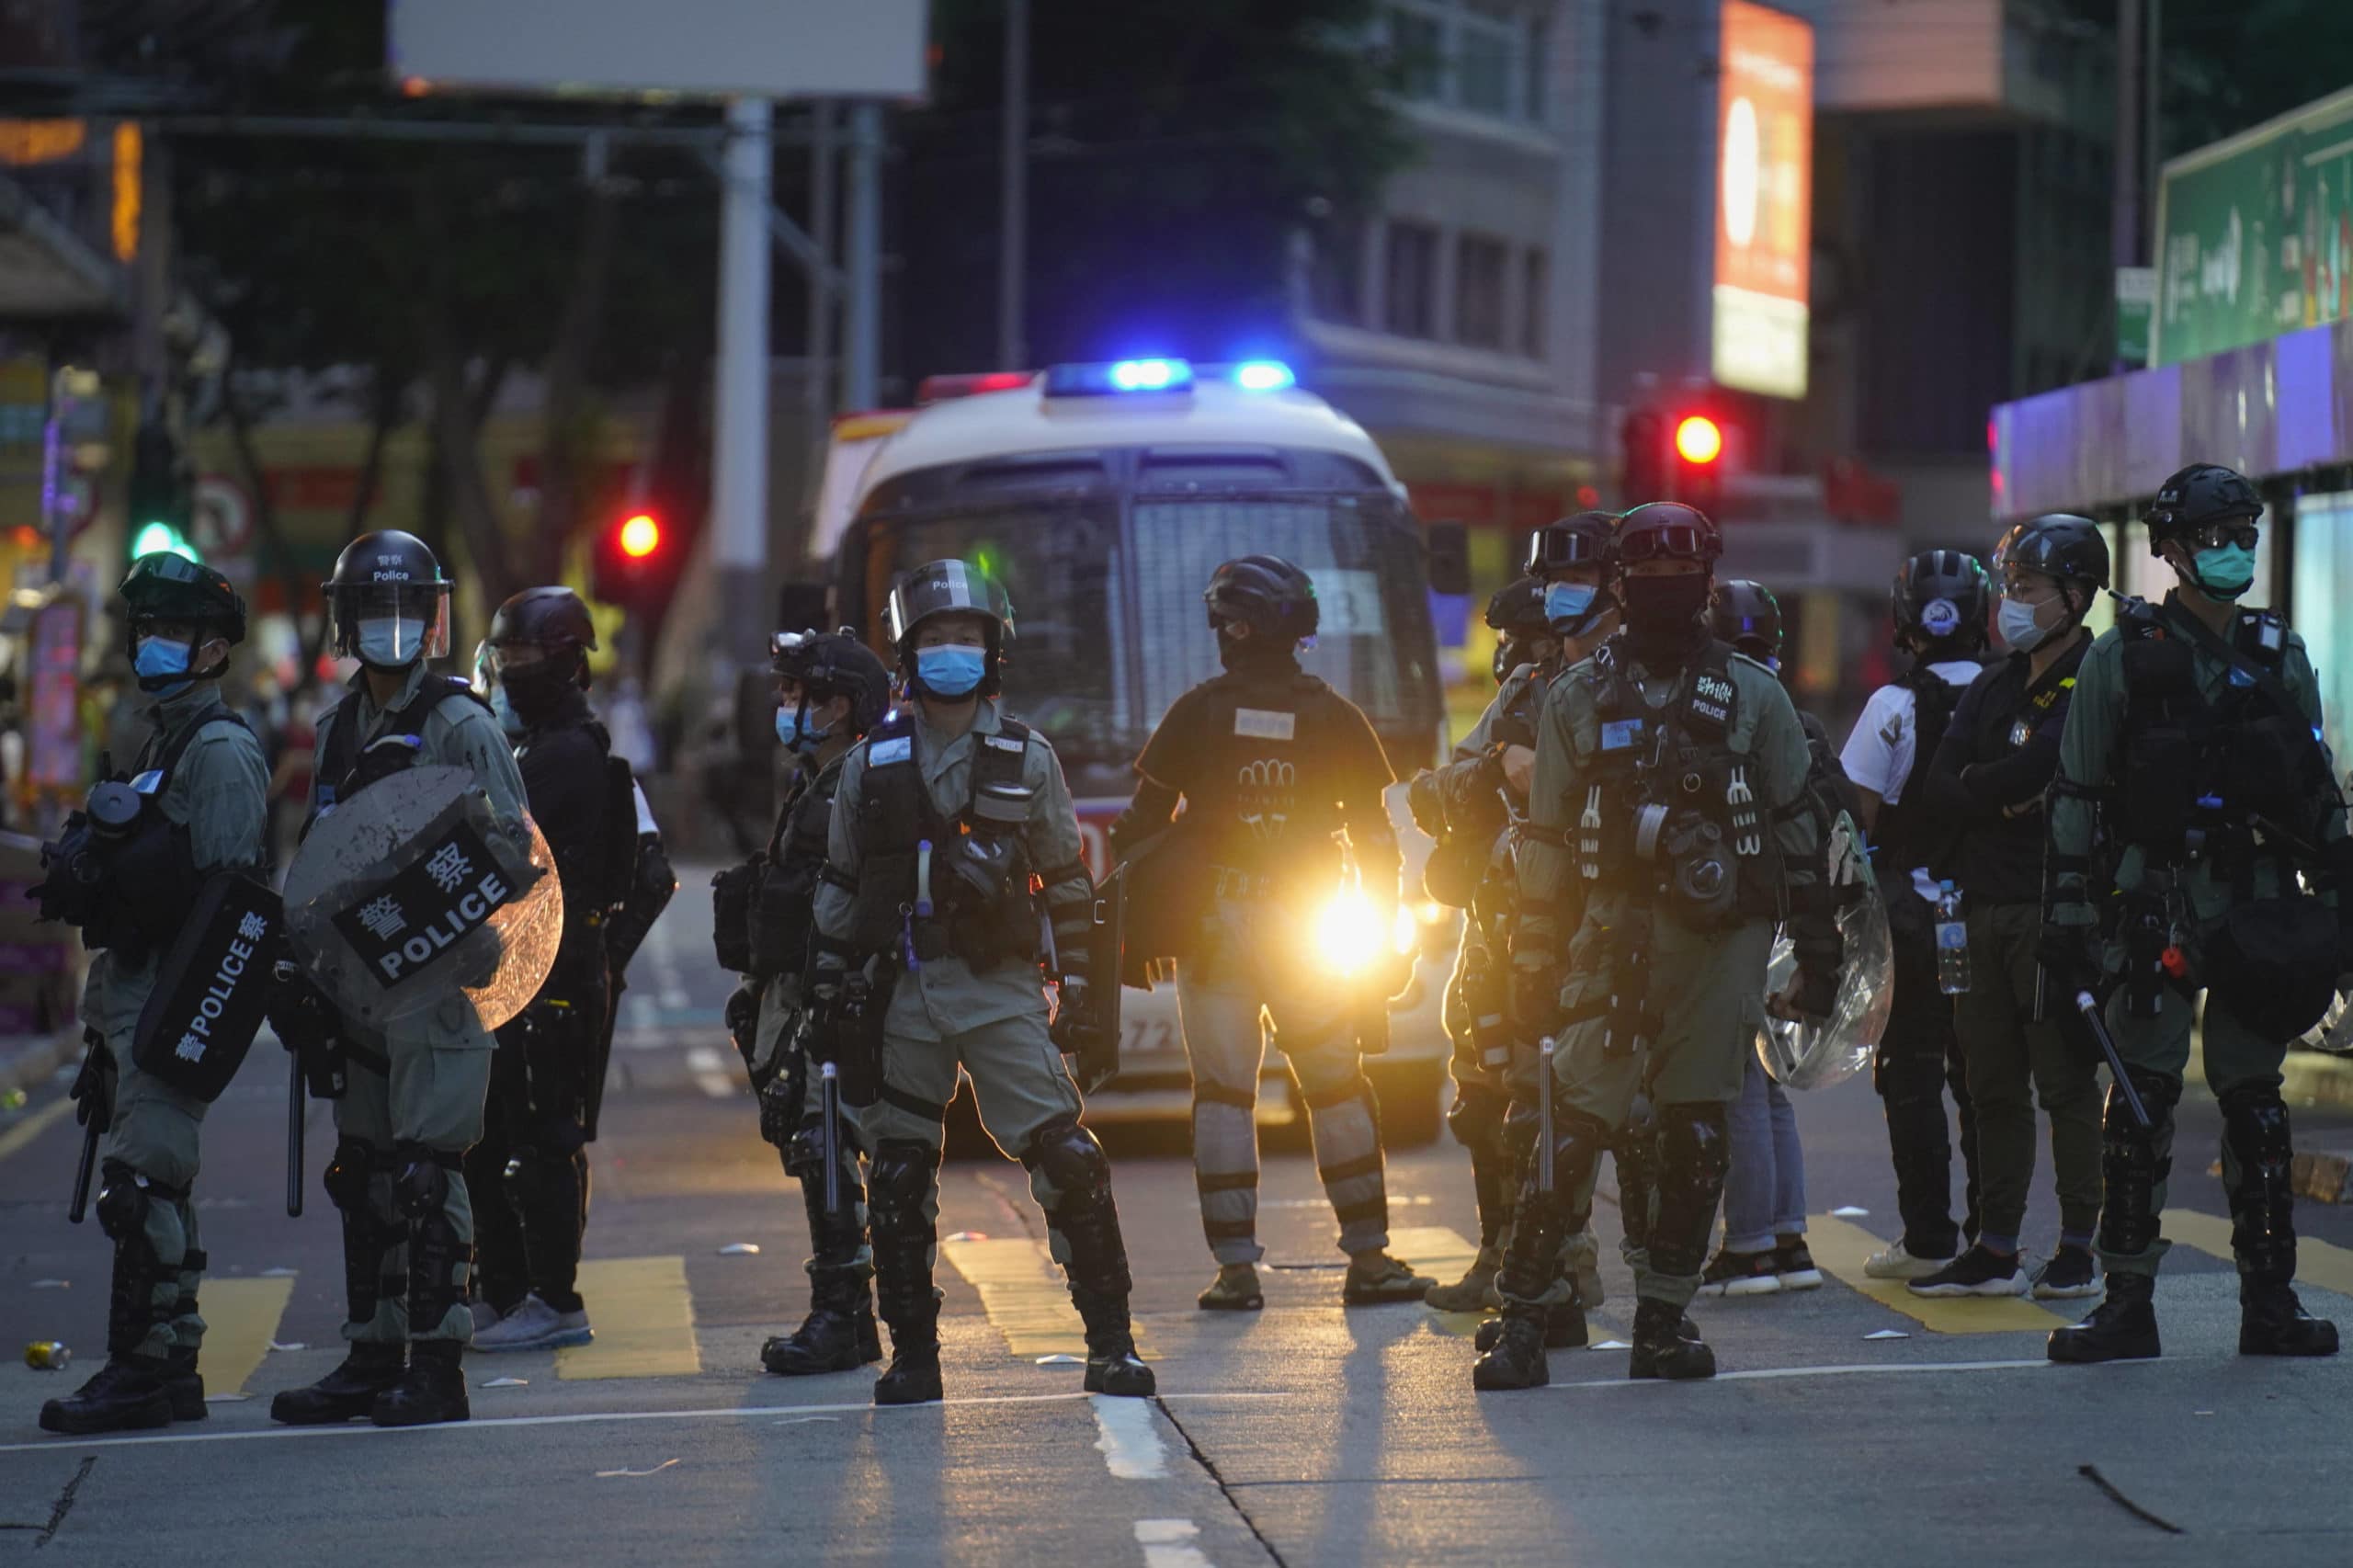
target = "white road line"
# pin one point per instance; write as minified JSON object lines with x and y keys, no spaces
{"x":705,"y":1059}
{"x":1167,"y":1543}
{"x":1888,"y":1368}
{"x":1128,"y":1436}
{"x":666,"y":979}
{"x":493,"y":1424}
{"x":717,"y":1086}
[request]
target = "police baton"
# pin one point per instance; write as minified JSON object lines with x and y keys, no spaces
{"x":99,"y":1109}
{"x":294,"y":1112}
{"x":1544,"y":1113}
{"x":2088,"y":1006}
{"x":81,"y":1204}
{"x":829,"y":1121}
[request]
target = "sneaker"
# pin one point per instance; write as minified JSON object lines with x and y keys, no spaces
{"x":485,"y":1317}
{"x":2072,"y":1272}
{"x":1977,"y":1272}
{"x":1895,"y":1262}
{"x":535,"y":1325}
{"x":1730,"y":1273}
{"x":1375,"y":1278}
{"x":1236,"y":1289}
{"x":1793,"y":1266}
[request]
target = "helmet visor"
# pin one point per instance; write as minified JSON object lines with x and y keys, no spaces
{"x":1664,"y":541}
{"x":393,"y":623}
{"x":1556,"y":549}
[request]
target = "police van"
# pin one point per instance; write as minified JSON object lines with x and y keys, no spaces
{"x":1102,"y":495}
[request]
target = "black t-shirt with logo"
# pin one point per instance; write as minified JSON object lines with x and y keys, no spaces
{"x":2005,"y":733}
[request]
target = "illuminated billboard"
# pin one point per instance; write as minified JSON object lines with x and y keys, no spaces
{"x":1764,"y":200}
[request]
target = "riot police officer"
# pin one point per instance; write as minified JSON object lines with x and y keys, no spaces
{"x":1553,"y":619}
{"x":1671,"y":775}
{"x":530,"y":1173}
{"x":413,"y":1105}
{"x":1986,"y":779}
{"x":1273,"y":764}
{"x":927,"y":955}
{"x":202,"y":777}
{"x":1942,"y":600}
{"x":831,"y":690}
{"x":2196,"y":808}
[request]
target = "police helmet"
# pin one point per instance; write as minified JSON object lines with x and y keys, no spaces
{"x":951,"y":587}
{"x":2199,"y":494}
{"x":2060,"y":545}
{"x":1941,"y":599}
{"x":390,"y":576}
{"x":1747,"y":615}
{"x":1666,"y":530}
{"x":554,"y":619}
{"x":834,"y":663}
{"x":1583,"y":540}
{"x":1516,"y":614}
{"x":164,"y":587}
{"x":1272,"y":596}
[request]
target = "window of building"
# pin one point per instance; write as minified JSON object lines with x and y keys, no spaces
{"x":1480,"y":263}
{"x":1533,"y":99}
{"x":1535,"y":283}
{"x":1417,"y":49}
{"x":1411,"y":305}
{"x":1485,"y":56}
{"x":1335,"y":275}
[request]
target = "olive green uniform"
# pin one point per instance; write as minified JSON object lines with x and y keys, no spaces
{"x":219,"y":792}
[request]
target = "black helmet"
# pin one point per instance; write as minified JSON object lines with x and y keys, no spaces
{"x":1275,"y":598}
{"x":2057,"y":544}
{"x":2201,"y":493}
{"x":945,"y":587}
{"x":1583,"y":540}
{"x":554,"y":619}
{"x":1668,"y":530}
{"x":834,"y":663}
{"x":390,"y":576}
{"x":1747,"y":615}
{"x":163,"y":587}
{"x":1943,"y":596}
{"x":1516,"y":614}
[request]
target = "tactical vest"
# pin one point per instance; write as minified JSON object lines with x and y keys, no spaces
{"x":2195,"y":779}
{"x":152,"y":880}
{"x":1268,"y":810}
{"x":1670,"y":814}
{"x":932,"y":886}
{"x":782,"y":912}
{"x":1905,"y":835}
{"x":345,"y":769}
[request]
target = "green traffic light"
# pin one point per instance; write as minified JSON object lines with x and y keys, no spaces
{"x":155,"y":539}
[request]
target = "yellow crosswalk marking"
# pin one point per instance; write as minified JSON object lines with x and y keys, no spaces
{"x":1023,"y":1293}
{"x":31,"y":1126}
{"x":645,"y":1319}
{"x":2317,"y":1262}
{"x":240,"y":1318}
{"x":1444,"y":1253}
{"x":1839,"y":1248}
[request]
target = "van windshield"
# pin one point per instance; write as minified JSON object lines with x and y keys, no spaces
{"x":1108,"y":622}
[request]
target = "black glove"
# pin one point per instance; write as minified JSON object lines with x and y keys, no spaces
{"x":93,"y":1090}
{"x":1075,"y":1022}
{"x":743,"y":1015}
{"x":1535,"y":1000}
{"x":779,"y":1109}
{"x":2070,"y":956}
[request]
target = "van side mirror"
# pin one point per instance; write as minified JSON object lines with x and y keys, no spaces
{"x":1447,"y":547}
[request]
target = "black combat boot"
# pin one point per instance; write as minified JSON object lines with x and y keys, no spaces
{"x":132,"y":1390}
{"x":2258,"y":1152}
{"x":1660,"y":1348}
{"x":1542,"y":1221}
{"x":903,"y":1297}
{"x":912,"y":1376}
{"x":348,"y":1393}
{"x":1514,"y":1355}
{"x":1564,"y":1329}
{"x":432,"y":1391}
{"x":2134,"y":1161}
{"x":838,"y":1335}
{"x":1112,"y":1364}
{"x":1087,"y":1219}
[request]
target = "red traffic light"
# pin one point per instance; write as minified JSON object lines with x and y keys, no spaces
{"x":1697,"y":439}
{"x":641,"y":535}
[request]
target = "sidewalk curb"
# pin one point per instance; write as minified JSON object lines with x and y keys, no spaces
{"x":34,"y":1064}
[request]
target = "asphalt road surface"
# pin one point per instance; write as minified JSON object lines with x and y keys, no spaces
{"x":1852,"y":1424}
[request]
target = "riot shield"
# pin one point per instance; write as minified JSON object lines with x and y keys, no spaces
{"x":410,"y":894}
{"x":1814,"y":1054}
{"x":212,"y":987}
{"x":1098,"y":1057}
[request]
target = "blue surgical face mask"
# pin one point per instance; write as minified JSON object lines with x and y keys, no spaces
{"x":951,"y":671}
{"x":790,"y":730}
{"x":507,"y":719}
{"x":2225,"y":572}
{"x":389,"y":642}
{"x":1565,"y":603}
{"x":162,"y":657}
{"x":2021,"y":627}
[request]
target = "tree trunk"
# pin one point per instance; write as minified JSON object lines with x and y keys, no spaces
{"x":266,"y":521}
{"x":568,"y":442}
{"x":461,"y":402}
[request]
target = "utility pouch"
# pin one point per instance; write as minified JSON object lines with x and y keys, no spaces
{"x":2159,"y":787}
{"x":731,"y":892}
{"x":2274,"y":965}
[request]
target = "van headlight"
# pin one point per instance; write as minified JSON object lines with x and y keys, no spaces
{"x":1350,"y":937}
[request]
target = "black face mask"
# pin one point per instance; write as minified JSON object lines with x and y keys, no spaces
{"x":1252,"y":652}
{"x":536,"y":691}
{"x":1663,"y":614}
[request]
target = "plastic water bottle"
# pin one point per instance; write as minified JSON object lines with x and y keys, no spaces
{"x":1952,"y":942}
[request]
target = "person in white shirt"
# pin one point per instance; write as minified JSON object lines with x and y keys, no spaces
{"x":1942,"y":601}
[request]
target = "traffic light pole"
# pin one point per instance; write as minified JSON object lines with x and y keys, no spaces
{"x":740,"y":458}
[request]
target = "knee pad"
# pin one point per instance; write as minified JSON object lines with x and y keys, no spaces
{"x":1693,"y":1145}
{"x":122,"y":1201}
{"x":1476,"y":1117}
{"x":2159,"y":1092}
{"x":2254,"y":1123}
{"x":900,"y":1180}
{"x":1070,"y":1157}
{"x":347,"y":1174}
{"x":421,"y":1180}
{"x":560,"y":1135}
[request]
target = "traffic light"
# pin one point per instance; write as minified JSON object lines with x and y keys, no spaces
{"x":634,"y":563}
{"x":1642,"y":436}
{"x":1698,"y":462}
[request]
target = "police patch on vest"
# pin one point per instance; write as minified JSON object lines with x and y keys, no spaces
{"x":2021,"y":733}
{"x":894,"y":748}
{"x":1265,"y":725}
{"x":212,"y":988}
{"x":1618,"y":735}
{"x":402,"y":926}
{"x":1711,"y":699}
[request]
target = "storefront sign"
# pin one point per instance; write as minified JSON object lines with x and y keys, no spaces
{"x":1764,"y":197}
